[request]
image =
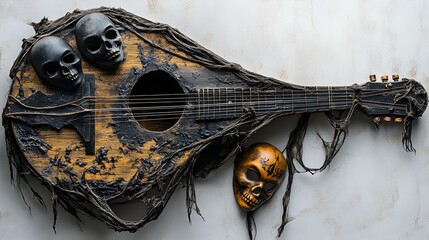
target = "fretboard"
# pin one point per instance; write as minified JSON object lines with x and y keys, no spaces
{"x":227,"y":103}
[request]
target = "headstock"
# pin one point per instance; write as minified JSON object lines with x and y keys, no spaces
{"x":392,"y":101}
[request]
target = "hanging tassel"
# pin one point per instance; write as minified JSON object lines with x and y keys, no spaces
{"x":406,"y":135}
{"x":191,"y":197}
{"x":54,"y":199}
{"x":251,"y":225}
{"x":286,"y":198}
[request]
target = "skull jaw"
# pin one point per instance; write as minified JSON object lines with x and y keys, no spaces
{"x":114,"y":61}
{"x":71,"y":85}
{"x":68,"y":82}
{"x":107,"y":60}
{"x":245,"y":199}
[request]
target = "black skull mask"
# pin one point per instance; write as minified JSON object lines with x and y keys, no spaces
{"x":99,"y":41}
{"x":56,"y":63}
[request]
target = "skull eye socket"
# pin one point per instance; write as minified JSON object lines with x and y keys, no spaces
{"x":93,"y":43}
{"x":253,"y":175}
{"x":269,"y":186}
{"x":69,"y":58}
{"x":51,"y":68}
{"x":111,"y":34}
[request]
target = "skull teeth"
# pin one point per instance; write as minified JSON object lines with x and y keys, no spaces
{"x":72,"y":77}
{"x":113,"y":54}
{"x":246,"y":198}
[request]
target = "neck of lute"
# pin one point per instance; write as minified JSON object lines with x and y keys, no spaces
{"x":228,"y":103}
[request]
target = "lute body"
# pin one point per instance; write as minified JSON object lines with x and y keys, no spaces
{"x":171,"y":109}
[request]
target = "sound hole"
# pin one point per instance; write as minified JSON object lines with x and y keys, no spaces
{"x":157,"y":101}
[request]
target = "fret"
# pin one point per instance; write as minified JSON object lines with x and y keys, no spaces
{"x":242,"y":98}
{"x":305,"y":97}
{"x":258,"y":107}
{"x":235,"y":101}
{"x":213,"y":104}
{"x":210,"y":103}
{"x":336,"y":99}
{"x":270,"y":100}
{"x":219,"y":106}
{"x":265,"y":102}
{"x":204,"y":103}
{"x":199,"y":103}
{"x":250,"y":98}
{"x":246,"y":100}
{"x":317,"y":98}
{"x":347,"y":98}
{"x":227,"y":103}
{"x":207,"y":96}
{"x":283,"y":99}
{"x":232,"y":102}
{"x":275,"y":96}
{"x":328,"y":99}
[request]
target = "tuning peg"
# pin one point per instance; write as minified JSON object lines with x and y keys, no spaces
{"x":395,"y":77}
{"x":384,"y":78}
{"x":387,"y":119}
{"x":372,"y":78}
{"x":398,"y":120}
{"x":376,"y":120}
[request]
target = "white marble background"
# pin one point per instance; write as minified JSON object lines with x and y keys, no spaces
{"x":372,"y":190}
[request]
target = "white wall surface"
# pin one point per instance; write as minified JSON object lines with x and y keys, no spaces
{"x":372,"y":190}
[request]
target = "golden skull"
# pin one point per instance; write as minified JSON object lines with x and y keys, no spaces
{"x":258,"y":173}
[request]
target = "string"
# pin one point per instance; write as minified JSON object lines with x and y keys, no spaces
{"x":206,"y":102}
{"x":215,"y":107}
{"x":136,"y":119}
{"x":185,"y":115}
{"x":211,"y":105}
{"x":221,"y":108}
{"x":180,"y":98}
{"x":212,"y":95}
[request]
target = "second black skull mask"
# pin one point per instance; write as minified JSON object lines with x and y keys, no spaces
{"x":99,"y":41}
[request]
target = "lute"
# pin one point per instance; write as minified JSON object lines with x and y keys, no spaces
{"x":170,"y":110}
